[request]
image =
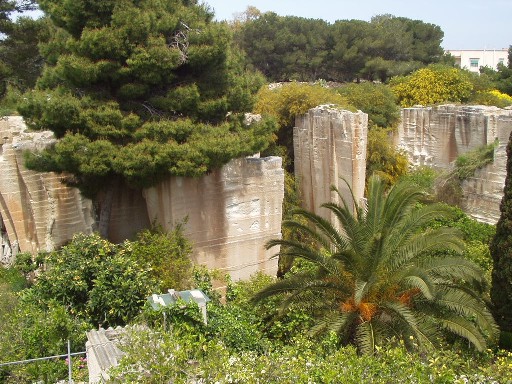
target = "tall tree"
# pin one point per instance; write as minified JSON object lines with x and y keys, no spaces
{"x":137,"y":90}
{"x":286,"y":48}
{"x":9,"y":7}
{"x":20,"y":62}
{"x":501,"y":251}
{"x":377,"y":273}
{"x":347,"y":51}
{"x":295,"y":48}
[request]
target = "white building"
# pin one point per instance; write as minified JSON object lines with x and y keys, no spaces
{"x":474,"y":59}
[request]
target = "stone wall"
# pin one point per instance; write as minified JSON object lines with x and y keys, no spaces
{"x":231,"y":212}
{"x":37,"y":212}
{"x":330,"y":144}
{"x":436,"y":136}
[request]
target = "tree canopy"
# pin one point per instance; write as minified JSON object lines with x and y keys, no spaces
{"x":294,"y":48}
{"x":140,"y":90}
{"x":20,"y":61}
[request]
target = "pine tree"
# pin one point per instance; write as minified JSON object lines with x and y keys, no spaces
{"x":501,"y":251}
{"x":137,"y":90}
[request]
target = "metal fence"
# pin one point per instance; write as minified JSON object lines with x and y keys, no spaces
{"x":68,"y":355}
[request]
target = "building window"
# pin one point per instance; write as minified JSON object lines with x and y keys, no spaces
{"x":501,"y":60}
{"x":473,"y":63}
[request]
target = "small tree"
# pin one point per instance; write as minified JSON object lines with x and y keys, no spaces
{"x":97,"y":281}
{"x":378,"y":273}
{"x":501,"y":251}
{"x":168,"y":254}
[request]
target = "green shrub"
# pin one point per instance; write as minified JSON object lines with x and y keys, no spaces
{"x":424,"y":177}
{"x":168,"y":254}
{"x":377,"y":100}
{"x":492,"y":97}
{"x":286,"y":101}
{"x":155,"y":357}
{"x":99,"y":282}
{"x":382,"y":158}
{"x":289,"y":100}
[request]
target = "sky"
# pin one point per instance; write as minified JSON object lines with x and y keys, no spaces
{"x":468,"y":24}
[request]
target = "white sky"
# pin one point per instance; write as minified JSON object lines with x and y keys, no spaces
{"x":468,"y":24}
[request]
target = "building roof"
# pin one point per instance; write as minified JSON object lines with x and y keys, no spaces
{"x":170,"y":298}
{"x":102,"y":352}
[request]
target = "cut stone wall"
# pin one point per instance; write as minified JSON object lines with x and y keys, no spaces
{"x":330,"y":144}
{"x":231,"y":212}
{"x":38,"y":213}
{"x":436,"y":136}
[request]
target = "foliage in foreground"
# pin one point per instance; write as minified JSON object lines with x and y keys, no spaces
{"x":104,"y":283}
{"x":29,"y":331}
{"x":379,"y":273}
{"x":157,"y":356}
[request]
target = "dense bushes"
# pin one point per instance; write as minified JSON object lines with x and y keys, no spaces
{"x":288,"y":100}
{"x":432,"y":85}
{"x":377,"y":100}
{"x":382,"y":158}
{"x":175,"y":359}
{"x":88,"y":282}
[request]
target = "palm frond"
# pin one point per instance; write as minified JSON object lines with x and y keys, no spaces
{"x":296,"y":249}
{"x":337,"y":322}
{"x":398,"y":204}
{"x":468,"y":306}
{"x":465,"y":329}
{"x":365,"y":338}
{"x":361,"y":288}
{"x":424,"y":243}
{"x":420,"y":280}
{"x":414,"y":222}
{"x":354,"y":207}
{"x":404,"y":315}
{"x":348,"y":223}
{"x":450,"y":268}
{"x":296,"y":227}
{"x":375,"y":203}
{"x":326,"y":228}
{"x":296,"y":282}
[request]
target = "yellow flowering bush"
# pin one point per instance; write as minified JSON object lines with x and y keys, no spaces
{"x":432,"y":85}
{"x":288,"y":100}
{"x":493,"y":97}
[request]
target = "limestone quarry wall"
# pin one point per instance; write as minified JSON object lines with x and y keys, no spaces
{"x":436,"y":136}
{"x":38,"y":213}
{"x":330,"y":144}
{"x":231,"y":212}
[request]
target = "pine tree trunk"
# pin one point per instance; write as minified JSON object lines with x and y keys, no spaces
{"x":105,"y":209}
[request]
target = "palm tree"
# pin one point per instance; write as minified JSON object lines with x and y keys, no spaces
{"x":380,"y":272}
